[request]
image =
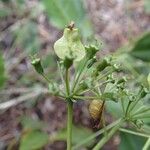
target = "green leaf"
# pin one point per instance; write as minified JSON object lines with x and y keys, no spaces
{"x":49,"y":61}
{"x":33,"y":140}
{"x":27,"y":38}
{"x":114,"y":109}
{"x":141,"y":50}
{"x":4,"y":12}
{"x":62,"y":12}
{"x":29,"y":123}
{"x":147,"y":6}
{"x":2,"y":71}
{"x":79,"y":134}
{"x":148,"y":79}
{"x":131,"y":142}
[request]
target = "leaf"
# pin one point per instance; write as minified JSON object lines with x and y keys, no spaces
{"x":62,"y":12}
{"x":114,"y":109}
{"x":4,"y":12}
{"x":49,"y":61}
{"x":141,"y":50}
{"x":33,"y":140}
{"x":148,"y":79}
{"x":79,"y":134}
{"x":110,"y":96}
{"x":27,"y":38}
{"x":2,"y":71}
{"x":29,"y":123}
{"x":147,"y":6}
{"x":131,"y":142}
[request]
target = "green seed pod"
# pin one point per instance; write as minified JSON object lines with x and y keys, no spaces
{"x":69,"y":45}
{"x":36,"y":62}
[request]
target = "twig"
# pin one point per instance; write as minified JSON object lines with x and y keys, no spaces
{"x":15,"y":101}
{"x":134,"y":133}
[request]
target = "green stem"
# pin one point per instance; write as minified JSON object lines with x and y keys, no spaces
{"x":61,"y":73}
{"x":94,"y":87}
{"x":127,"y":110}
{"x":87,"y":97}
{"x":105,"y":75}
{"x":122,"y":105}
{"x":69,"y":112}
{"x":46,"y":78}
{"x":83,"y":142}
{"x":69,"y":124}
{"x":100,"y":144}
{"x":67,"y":82}
{"x":134,"y":133}
{"x":147,"y":144}
{"x":78,"y":76}
{"x":136,"y":101}
{"x":140,"y":111}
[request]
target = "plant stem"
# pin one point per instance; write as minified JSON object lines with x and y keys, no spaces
{"x":83,"y":142}
{"x":105,"y":75}
{"x":46,"y":78}
{"x":69,"y":124}
{"x":135,"y":101}
{"x":78,"y":75}
{"x":67,"y":82}
{"x":127,"y":109}
{"x":122,"y":105}
{"x":87,"y":97}
{"x":69,"y":112}
{"x":109,"y":135}
{"x":147,"y":144}
{"x":134,"y":133}
{"x":140,"y":111}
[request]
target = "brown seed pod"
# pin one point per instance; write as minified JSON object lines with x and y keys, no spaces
{"x":96,"y":108}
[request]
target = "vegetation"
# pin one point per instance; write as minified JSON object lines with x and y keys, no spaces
{"x":114,"y":87}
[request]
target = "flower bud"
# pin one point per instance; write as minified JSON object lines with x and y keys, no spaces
{"x":36,"y":62}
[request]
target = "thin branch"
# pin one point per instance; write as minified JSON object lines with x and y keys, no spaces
{"x":15,"y":101}
{"x":134,"y":133}
{"x":147,"y":144}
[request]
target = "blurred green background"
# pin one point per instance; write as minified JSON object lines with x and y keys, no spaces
{"x":29,"y":116}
